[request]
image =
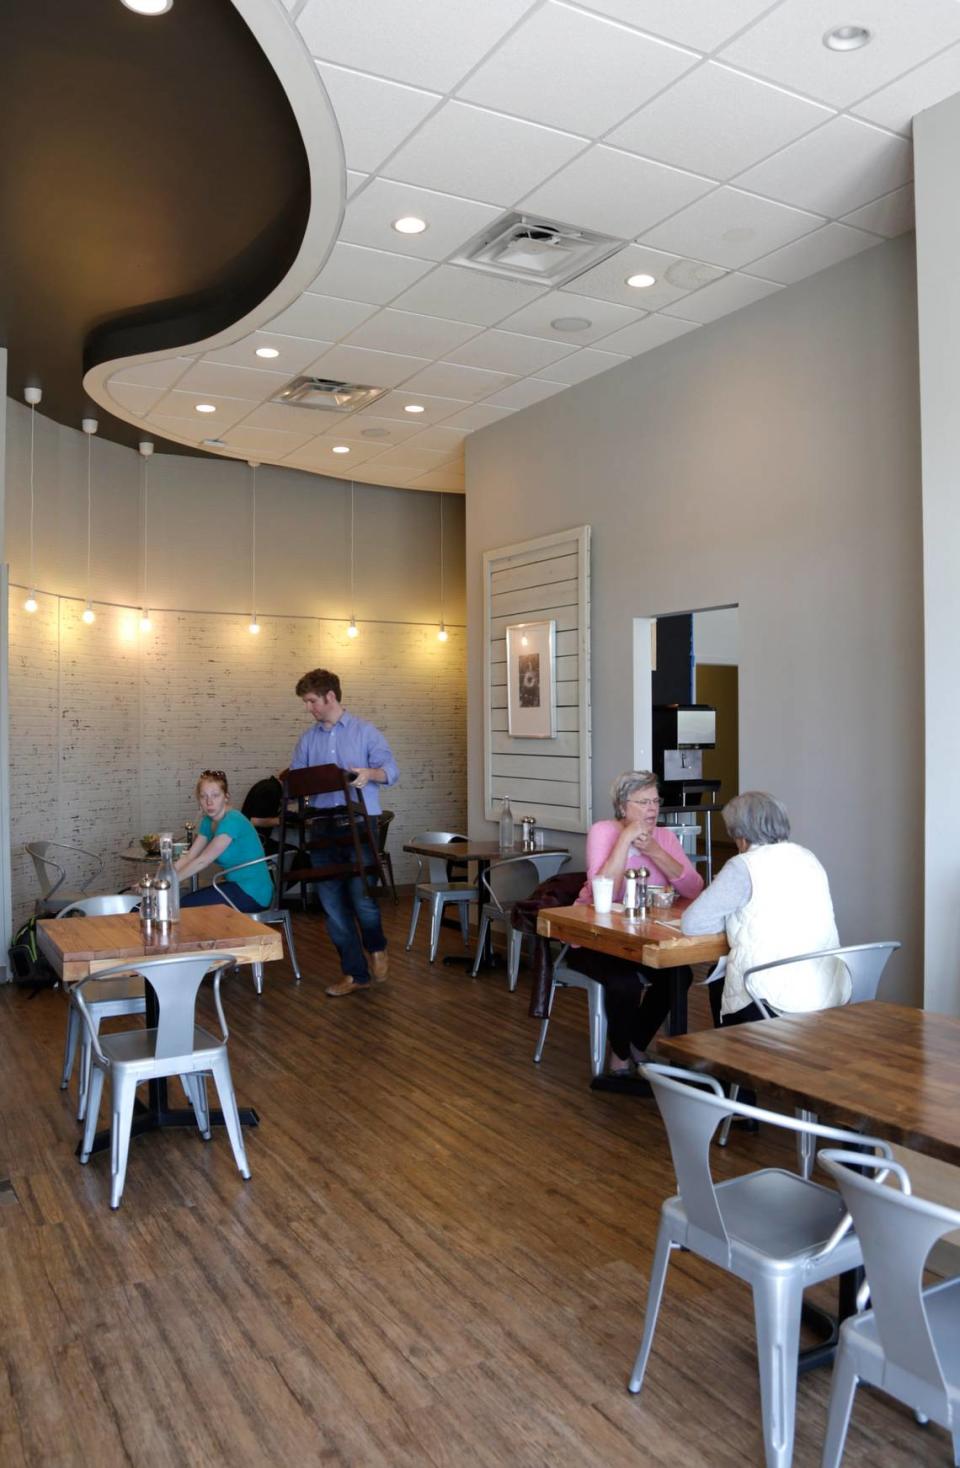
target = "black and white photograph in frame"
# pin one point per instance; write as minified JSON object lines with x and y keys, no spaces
{"x":531,"y":680}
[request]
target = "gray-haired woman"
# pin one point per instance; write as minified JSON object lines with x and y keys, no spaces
{"x":773,"y":900}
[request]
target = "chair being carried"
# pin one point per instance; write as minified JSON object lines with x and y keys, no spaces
{"x":275,"y":913}
{"x":357,"y":829}
{"x":908,"y":1343}
{"x":777,"y":1232}
{"x":177,"y":1046}
{"x":52,"y":873}
{"x":508,"y":882}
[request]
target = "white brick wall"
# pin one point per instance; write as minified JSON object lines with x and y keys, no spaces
{"x":109,"y":727}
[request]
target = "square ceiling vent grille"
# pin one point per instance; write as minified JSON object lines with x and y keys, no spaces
{"x":327,"y":396}
{"x":522,"y":247}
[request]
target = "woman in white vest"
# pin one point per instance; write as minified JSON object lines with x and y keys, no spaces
{"x":773,"y":900}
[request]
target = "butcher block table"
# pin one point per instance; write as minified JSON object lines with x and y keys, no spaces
{"x":77,"y":947}
{"x":654,"y":941}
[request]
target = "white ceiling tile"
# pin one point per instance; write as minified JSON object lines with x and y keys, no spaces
{"x":896,"y":106}
{"x":442,"y":481}
{"x":450,"y":380}
{"x":702,"y":24}
{"x":271,"y":443}
{"x":524,"y":394}
{"x":293,"y":352}
{"x":603,"y":317}
{"x":478,"y":415}
{"x":355,"y":273}
{"x":355,"y":181}
{"x":394,"y":405}
{"x":588,"y":363}
{"x":134,"y":397}
{"x":289,"y":419}
{"x":319,"y":455}
{"x":441,"y":438}
{"x":179,"y":428}
{"x":372,"y":369}
{"x":814,"y":252}
{"x":413,"y":41}
{"x":506,"y":351}
{"x":411,"y":459}
{"x":153,"y":374}
{"x":209,"y":425}
{"x":717,"y":122}
{"x":889,"y":216}
{"x":374,"y":115}
{"x":575,"y":71}
{"x":730,"y":228}
{"x":653,"y":331}
{"x":408,"y":334}
{"x":507,"y":157}
{"x":837,"y":169}
{"x":615,"y":192}
{"x":673,"y":277}
{"x":373,"y":430}
{"x":787,"y":45}
{"x":724,"y":296}
{"x":459,"y":294}
{"x":387,"y":478}
{"x":321,"y":318}
{"x":232,"y":382}
{"x":450,"y":222}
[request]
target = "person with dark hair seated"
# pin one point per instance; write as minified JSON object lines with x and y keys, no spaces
{"x":261,"y":806}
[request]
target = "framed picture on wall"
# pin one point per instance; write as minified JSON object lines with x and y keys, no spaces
{"x":531,"y":680}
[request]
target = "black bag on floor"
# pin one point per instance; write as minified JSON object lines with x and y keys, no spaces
{"x":27,"y":963}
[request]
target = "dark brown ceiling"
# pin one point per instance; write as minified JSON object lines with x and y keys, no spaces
{"x":154,"y":187}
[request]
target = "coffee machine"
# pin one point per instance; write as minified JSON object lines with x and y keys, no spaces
{"x":681,"y":732}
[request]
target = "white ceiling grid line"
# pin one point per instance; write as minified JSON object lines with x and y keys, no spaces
{"x":719,"y":142}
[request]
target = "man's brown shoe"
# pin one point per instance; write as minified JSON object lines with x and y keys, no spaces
{"x":346,"y":986}
{"x":379,"y":965}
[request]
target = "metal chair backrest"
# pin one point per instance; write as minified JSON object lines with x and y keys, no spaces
{"x":864,"y":962}
{"x":511,"y":880}
{"x":102,"y":906}
{"x":896,"y":1232}
{"x":175,"y":982}
{"x":549,"y":863}
{"x":51,"y":873}
{"x":692,"y":1106}
{"x":270,"y":862}
{"x":437,"y":867}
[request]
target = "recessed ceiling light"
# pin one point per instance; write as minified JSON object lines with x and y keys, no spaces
{"x":149,"y":7}
{"x":340,"y":448}
{"x":409,"y":224}
{"x":847,"y":38}
{"x":640,"y":282}
{"x":267,"y":352}
{"x":570,"y":323}
{"x":206,"y":408}
{"x":414,"y":408}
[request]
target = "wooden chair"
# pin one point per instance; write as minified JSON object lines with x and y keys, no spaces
{"x":386,"y":860}
{"x":349,"y":838}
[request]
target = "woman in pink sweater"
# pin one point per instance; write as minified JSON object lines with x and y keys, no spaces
{"x":637,"y":999}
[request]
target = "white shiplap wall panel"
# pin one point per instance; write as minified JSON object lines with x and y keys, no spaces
{"x":543,"y":579}
{"x":109,"y":729}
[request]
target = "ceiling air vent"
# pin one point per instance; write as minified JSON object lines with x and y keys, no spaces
{"x":328,"y":396}
{"x":524,"y":248}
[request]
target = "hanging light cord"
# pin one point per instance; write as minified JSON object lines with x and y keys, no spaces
{"x":33,"y":424}
{"x":89,"y":509}
{"x":146,"y":511}
{"x":441,"y":560}
{"x":352,"y":607}
{"x":253,"y":540}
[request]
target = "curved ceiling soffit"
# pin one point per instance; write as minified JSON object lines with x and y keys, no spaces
{"x":123,"y":343}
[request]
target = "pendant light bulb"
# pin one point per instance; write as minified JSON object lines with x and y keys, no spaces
{"x":30,"y":605}
{"x":442,"y":633}
{"x":353,"y":630}
{"x":254,"y":628}
{"x":145,"y":623}
{"x":88,"y":615}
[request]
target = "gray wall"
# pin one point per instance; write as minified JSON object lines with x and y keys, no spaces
{"x":771,"y":460}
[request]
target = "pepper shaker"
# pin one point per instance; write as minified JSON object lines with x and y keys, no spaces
{"x":643,"y":876}
{"x":630,"y":883}
{"x":148,"y":910}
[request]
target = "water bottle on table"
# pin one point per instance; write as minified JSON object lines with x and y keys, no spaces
{"x":506,"y":825}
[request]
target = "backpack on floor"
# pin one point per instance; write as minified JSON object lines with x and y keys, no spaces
{"x":27,"y":963}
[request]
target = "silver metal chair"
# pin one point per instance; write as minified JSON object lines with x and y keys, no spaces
{"x":908,"y":1344}
{"x":176,"y":1047}
{"x":568,"y":978}
{"x":272,"y":914}
{"x":508,"y":882}
{"x":120,"y":996}
{"x":52,"y":873}
{"x":865,"y":963}
{"x":777,"y":1232}
{"x":439,"y":892}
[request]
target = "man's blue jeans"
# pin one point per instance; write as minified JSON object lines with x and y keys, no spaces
{"x":353,"y":918}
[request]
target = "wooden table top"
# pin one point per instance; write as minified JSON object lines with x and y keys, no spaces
{"x":882,"y":1068}
{"x":646,"y":940}
{"x":478,"y":850}
{"x":79,"y":946}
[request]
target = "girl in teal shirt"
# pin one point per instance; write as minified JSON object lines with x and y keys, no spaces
{"x":227,"y":839}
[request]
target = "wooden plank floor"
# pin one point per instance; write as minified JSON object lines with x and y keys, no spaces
{"x":441,"y":1258}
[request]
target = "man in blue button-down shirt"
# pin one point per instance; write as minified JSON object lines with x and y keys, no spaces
{"x":338,"y":738}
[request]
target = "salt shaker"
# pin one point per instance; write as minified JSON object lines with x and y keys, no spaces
{"x":528,"y":827}
{"x":148,"y":907}
{"x":643,"y":876}
{"x":630,"y":892}
{"x":161,"y":893}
